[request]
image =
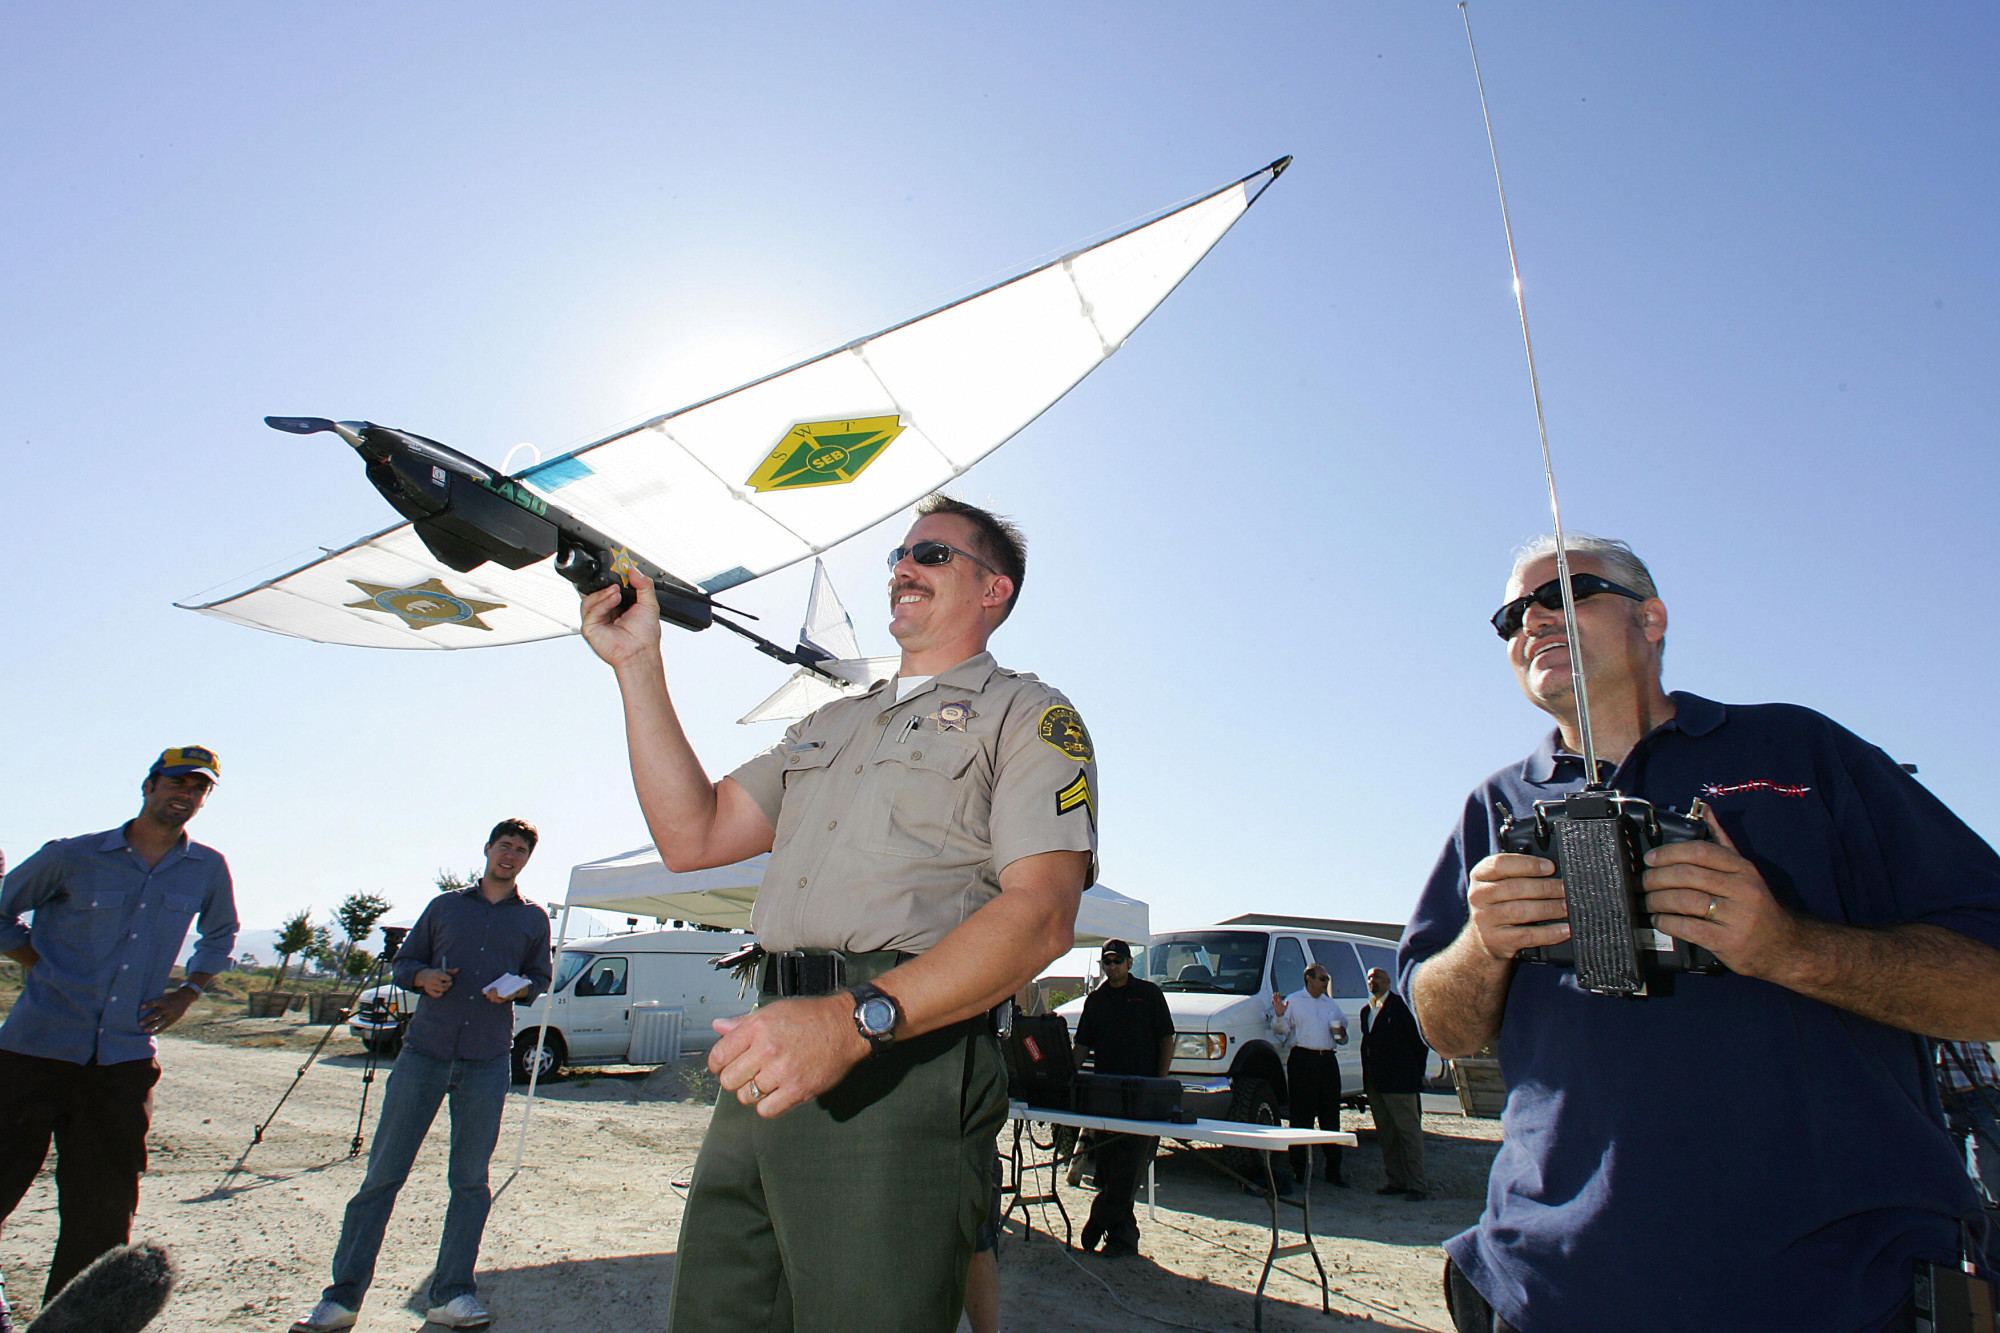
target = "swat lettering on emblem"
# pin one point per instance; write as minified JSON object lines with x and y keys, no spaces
{"x":1077,"y":794}
{"x":1062,"y":728}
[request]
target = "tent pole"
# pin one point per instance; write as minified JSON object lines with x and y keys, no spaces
{"x":541,"y":1035}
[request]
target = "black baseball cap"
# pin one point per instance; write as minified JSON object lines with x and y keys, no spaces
{"x":1116,"y":951}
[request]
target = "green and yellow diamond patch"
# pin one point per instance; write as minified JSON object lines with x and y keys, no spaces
{"x":824,"y":453}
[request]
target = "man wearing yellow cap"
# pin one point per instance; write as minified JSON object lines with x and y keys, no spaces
{"x":78,"y":1058}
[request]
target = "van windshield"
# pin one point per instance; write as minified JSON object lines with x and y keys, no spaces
{"x":1227,"y":962}
{"x":573,"y":962}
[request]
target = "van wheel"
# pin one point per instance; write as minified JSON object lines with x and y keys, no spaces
{"x":384,"y":1046}
{"x":1253,"y":1101}
{"x":553,"y":1053}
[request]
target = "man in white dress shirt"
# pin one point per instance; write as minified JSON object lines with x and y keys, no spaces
{"x":1316,"y":1024}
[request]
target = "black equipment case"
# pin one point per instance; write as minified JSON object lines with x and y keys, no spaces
{"x":1128,"y":1097}
{"x":1040,"y":1064}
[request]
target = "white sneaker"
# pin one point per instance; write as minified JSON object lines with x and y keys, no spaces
{"x":460,"y":1312}
{"x":326,"y":1316}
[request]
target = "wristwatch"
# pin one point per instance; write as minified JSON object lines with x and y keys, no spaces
{"x":198,"y":991}
{"x":876,"y":1014}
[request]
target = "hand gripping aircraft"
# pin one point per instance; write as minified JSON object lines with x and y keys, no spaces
{"x":712,"y":495}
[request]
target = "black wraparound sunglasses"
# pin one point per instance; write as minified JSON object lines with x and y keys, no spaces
{"x":1507,"y":620}
{"x":934,"y":553}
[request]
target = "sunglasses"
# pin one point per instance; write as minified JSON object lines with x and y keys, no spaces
{"x":934,"y":554}
{"x":1507,"y":620}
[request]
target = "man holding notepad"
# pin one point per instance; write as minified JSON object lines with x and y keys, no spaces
{"x":471,"y":953}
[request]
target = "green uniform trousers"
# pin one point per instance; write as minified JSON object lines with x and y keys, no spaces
{"x":855,"y":1211}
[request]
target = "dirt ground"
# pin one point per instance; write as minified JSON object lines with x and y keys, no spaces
{"x":584,"y":1234}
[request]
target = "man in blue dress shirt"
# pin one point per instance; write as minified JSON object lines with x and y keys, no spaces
{"x":77,"y":1053}
{"x":1762,"y":1150}
{"x":472,"y":952}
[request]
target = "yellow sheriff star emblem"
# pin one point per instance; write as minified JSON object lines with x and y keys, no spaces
{"x":428,"y":603}
{"x":824,"y":453}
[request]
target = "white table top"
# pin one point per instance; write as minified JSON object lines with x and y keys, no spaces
{"x":1234,"y":1133}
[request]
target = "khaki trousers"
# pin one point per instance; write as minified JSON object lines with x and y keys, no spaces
{"x":855,"y":1211}
{"x":1399,"y":1126}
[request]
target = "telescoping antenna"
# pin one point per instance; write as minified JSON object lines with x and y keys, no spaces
{"x":1541,"y":424}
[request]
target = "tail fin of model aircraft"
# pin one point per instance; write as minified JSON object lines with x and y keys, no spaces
{"x":829,"y":632}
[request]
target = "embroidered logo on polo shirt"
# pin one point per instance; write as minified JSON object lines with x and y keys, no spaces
{"x":1714,"y":789}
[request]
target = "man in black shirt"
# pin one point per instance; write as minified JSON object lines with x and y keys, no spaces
{"x":1127,"y":1029}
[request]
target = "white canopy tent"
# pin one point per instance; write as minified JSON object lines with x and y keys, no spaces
{"x":637,"y":884}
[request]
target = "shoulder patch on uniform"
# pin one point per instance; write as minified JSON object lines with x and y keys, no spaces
{"x":1062,"y":728}
{"x":1076,"y":795}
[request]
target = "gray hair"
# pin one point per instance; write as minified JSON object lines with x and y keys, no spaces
{"x":1621,"y":564}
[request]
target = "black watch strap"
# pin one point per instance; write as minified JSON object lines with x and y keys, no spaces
{"x":872,"y":1005}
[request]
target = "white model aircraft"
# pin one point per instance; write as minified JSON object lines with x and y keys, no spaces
{"x":726,"y":490}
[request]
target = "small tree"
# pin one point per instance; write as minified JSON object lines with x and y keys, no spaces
{"x":449,"y":880}
{"x":295,"y":936}
{"x":322,"y":952}
{"x":357,"y":917}
{"x":359,"y":962}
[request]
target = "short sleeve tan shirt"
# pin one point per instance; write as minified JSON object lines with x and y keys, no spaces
{"x":894,"y":820}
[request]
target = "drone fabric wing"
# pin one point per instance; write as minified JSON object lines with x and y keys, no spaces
{"x":387,"y":591}
{"x":782,"y":468}
{"x":787,"y":466}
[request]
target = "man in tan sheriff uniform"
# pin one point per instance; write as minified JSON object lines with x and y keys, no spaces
{"x":929,"y":841}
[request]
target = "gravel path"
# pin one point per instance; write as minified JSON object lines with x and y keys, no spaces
{"x":584,"y":1235}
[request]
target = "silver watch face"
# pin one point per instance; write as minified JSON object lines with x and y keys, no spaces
{"x":877,"y":1015}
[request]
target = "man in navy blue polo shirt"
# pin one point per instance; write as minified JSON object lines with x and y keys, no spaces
{"x":77,"y":1053}
{"x":1757,"y":1151}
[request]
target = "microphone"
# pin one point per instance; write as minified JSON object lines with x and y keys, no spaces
{"x":121,"y":1292}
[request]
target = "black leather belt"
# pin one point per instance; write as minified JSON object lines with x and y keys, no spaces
{"x":788,"y":972}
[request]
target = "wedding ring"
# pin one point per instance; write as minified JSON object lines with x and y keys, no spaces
{"x":756,"y":1093}
{"x":1710,"y":914}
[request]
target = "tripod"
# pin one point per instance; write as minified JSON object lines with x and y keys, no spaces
{"x":392,"y":940}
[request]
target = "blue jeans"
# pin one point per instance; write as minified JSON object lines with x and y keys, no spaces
{"x":418,"y":1084}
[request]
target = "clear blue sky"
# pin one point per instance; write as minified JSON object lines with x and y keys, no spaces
{"x":1758,"y":243}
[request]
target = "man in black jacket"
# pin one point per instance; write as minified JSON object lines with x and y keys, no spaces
{"x":1393,"y":1056}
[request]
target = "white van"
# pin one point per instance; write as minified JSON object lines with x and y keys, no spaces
{"x":599,"y":982}
{"x":1218,"y":982}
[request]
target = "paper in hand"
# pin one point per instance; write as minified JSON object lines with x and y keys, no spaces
{"x":508,"y":986}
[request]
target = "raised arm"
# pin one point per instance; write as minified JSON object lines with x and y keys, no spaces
{"x":695,"y":823}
